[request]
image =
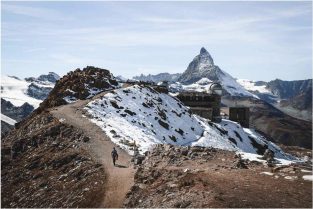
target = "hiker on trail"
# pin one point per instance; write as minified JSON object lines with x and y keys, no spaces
{"x":114,"y":155}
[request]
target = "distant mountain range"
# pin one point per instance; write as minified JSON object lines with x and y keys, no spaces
{"x":19,"y":97}
{"x":158,"y":77}
{"x":292,"y":97}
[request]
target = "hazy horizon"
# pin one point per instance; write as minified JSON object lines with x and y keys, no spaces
{"x":249,"y":40}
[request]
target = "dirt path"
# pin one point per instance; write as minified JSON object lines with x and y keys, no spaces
{"x":121,"y":177}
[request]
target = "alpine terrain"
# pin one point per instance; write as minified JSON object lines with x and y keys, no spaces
{"x":61,"y":154}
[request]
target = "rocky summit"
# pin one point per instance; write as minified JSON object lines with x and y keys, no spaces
{"x":79,"y":84}
{"x":201,"y":66}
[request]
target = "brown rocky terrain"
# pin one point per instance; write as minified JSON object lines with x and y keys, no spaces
{"x":79,"y":84}
{"x":203,"y":177}
{"x":44,"y":164}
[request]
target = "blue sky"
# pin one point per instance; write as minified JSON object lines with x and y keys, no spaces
{"x":252,"y":40}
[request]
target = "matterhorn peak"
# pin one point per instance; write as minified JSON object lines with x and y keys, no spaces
{"x":203,"y":51}
{"x":205,"y":57}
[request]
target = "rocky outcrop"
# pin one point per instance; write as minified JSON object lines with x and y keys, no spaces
{"x":44,"y":164}
{"x":79,"y":84}
{"x":5,"y":128}
{"x":51,"y":77}
{"x":16,"y":113}
{"x":197,"y":177}
{"x":38,"y":92}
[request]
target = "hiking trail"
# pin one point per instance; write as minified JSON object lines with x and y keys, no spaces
{"x":120,"y":178}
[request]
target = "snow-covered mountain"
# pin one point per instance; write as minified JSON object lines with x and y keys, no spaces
{"x":202,"y":66}
{"x":145,"y":117}
{"x":31,"y":90}
{"x":20,"y":97}
{"x":159,"y":77}
{"x":51,"y":77}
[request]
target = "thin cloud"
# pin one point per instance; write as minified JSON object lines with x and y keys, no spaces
{"x":274,"y":32}
{"x":35,"y":12}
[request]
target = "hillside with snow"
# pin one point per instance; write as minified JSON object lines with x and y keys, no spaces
{"x":144,"y":117}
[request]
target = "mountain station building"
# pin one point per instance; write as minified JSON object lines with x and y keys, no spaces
{"x":206,"y":104}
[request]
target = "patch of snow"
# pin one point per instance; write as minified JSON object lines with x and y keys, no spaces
{"x":232,"y":87}
{"x":8,"y":120}
{"x":186,"y":170}
{"x":291,"y":177}
{"x":204,"y":81}
{"x":44,"y":84}
{"x":71,"y":91}
{"x":94,"y":91}
{"x":251,"y":157}
{"x":62,"y":120}
{"x":306,"y":171}
{"x":308,"y":177}
{"x":267,"y":173}
{"x":211,"y":137}
{"x":70,"y":99}
{"x":256,"y":157}
{"x":250,"y":86}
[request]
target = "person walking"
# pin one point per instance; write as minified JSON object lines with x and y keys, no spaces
{"x":114,"y":155}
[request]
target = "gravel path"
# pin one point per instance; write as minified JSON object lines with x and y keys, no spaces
{"x":120,"y":178}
